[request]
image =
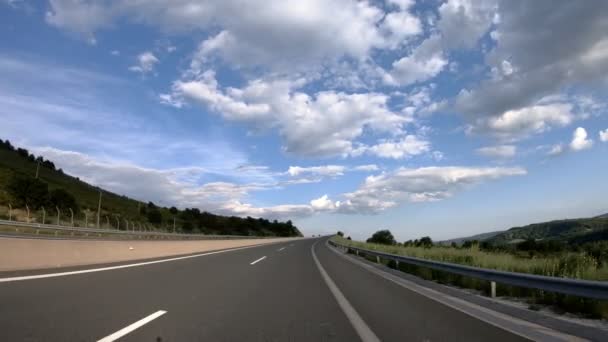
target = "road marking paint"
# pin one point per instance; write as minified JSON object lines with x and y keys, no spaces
{"x":363,"y":330}
{"x":51,"y":275}
{"x":122,"y":332}
{"x":280,"y":249}
{"x":260,"y":259}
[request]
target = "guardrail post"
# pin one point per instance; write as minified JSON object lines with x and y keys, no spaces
{"x":28,"y":213}
{"x":10,"y":212}
{"x":43,"y":215}
{"x":493,"y":289}
{"x":357,"y":252}
{"x":377,"y":259}
{"x":71,"y":217}
{"x":397,"y":264}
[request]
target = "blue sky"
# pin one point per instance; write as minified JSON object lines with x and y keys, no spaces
{"x":440,"y":118}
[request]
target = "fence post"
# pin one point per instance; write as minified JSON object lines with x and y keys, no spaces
{"x":10,"y":212}
{"x":86,"y":219}
{"x":58,"y":215}
{"x":71,"y":217}
{"x":43,"y":215}
{"x":28,"y":213}
{"x":493,"y":289}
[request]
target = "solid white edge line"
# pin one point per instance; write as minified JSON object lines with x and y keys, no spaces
{"x":363,"y":330}
{"x":51,"y":275}
{"x":260,"y":259}
{"x":122,"y":332}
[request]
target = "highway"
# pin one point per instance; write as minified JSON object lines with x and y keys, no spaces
{"x":293,"y":291}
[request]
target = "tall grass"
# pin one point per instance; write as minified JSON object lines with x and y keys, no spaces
{"x":567,"y":264}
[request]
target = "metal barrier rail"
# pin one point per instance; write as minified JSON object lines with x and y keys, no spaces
{"x":126,"y":232}
{"x":581,"y":288}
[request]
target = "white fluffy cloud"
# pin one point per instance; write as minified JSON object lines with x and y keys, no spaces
{"x":145,"y":63}
{"x":500,"y":151}
{"x":425,"y":62}
{"x":417,"y":185}
{"x":603,"y":135}
{"x":579,"y":140}
{"x":405,"y":147}
{"x":326,"y":170}
{"x":332,"y":120}
{"x":521,"y":123}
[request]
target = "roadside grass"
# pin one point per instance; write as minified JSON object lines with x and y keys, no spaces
{"x":568,"y":264}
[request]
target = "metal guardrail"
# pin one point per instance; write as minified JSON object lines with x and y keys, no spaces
{"x":126,"y":232}
{"x":577,"y":287}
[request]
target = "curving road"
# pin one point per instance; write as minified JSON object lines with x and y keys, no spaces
{"x":295,"y":291}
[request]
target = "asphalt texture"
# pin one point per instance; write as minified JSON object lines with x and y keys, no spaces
{"x":223,"y":297}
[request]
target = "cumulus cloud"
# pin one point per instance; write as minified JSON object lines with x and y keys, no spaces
{"x":521,"y":123}
{"x":405,"y":147}
{"x":463,"y":22}
{"x":425,"y":62}
{"x":333,"y":120}
{"x":145,"y":63}
{"x":579,"y":140}
{"x":385,"y":191}
{"x":538,"y":64}
{"x":604,"y":135}
{"x":500,"y":151}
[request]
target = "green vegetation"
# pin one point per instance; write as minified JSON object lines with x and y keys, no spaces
{"x":589,"y":261}
{"x":53,"y":188}
{"x":382,"y":237}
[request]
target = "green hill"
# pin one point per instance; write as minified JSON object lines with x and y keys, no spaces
{"x":572,"y":231}
{"x":19,"y":186}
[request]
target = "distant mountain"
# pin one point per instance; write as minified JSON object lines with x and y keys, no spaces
{"x":602,"y":216}
{"x":478,"y":237}
{"x":572,"y":230}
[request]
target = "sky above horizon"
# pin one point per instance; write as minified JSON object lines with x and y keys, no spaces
{"x":440,"y":118}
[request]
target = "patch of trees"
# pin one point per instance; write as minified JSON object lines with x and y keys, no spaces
{"x":383,"y":237}
{"x":6,"y":145}
{"x":35,"y":194}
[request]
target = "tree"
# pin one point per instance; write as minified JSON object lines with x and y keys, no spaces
{"x":155,"y":216}
{"x":63,"y":199}
{"x":28,"y":191}
{"x":173,"y":210}
{"x":383,"y":237}
{"x":425,"y":242}
{"x":340,"y":234}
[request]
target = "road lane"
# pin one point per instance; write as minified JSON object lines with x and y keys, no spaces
{"x":397,"y":314}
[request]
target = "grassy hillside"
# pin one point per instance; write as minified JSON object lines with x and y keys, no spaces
{"x":478,"y":237}
{"x":18,"y":170}
{"x":578,"y":230}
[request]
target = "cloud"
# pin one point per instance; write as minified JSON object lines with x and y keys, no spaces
{"x":500,"y":151}
{"x":385,"y":191}
{"x":145,"y":63}
{"x":425,"y":62}
{"x":402,"y":148}
{"x":463,"y":22}
{"x":115,"y":53}
{"x":322,"y":203}
{"x":521,"y":123}
{"x":604,"y":135}
{"x":367,"y":168}
{"x":540,"y":65}
{"x":556,"y":150}
{"x":579,"y":140}
{"x":326,"y":170}
{"x":333,"y":120}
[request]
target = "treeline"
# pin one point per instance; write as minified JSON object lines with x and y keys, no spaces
{"x":53,"y":188}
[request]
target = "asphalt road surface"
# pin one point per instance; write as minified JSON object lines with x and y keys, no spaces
{"x":273,"y":292}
